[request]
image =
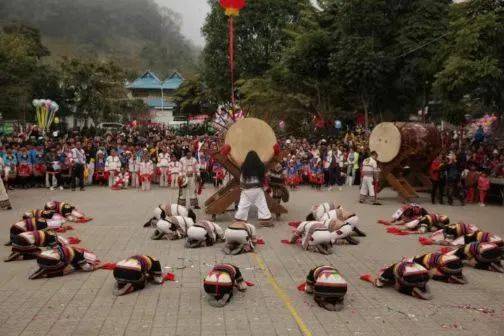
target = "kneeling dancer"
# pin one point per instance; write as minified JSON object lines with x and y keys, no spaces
{"x":167,"y":210}
{"x":240,"y":237}
{"x":26,"y":225}
{"x":451,"y":232}
{"x":173,"y":228}
{"x":133,"y":273}
{"x":62,"y":260}
{"x":327,"y":286}
{"x":407,"y":277}
{"x":204,"y":233}
{"x":480,"y":237}
{"x":321,"y":210}
{"x":442,"y":267}
{"x":484,"y":256}
{"x":428,"y":223}
{"x":27,"y":245}
{"x":220,"y":282}
{"x":67,"y":210}
{"x":315,"y":236}
{"x":407,"y":213}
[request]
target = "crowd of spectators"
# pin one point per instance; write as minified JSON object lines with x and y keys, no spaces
{"x":34,"y":160}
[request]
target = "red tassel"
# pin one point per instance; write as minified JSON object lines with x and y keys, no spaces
{"x":384,"y":222}
{"x":393,"y":230}
{"x":83,"y":220}
{"x":367,"y":277}
{"x":425,"y":241}
{"x":302,"y":287}
{"x":169,"y":277}
{"x":286,"y":241}
{"x":294,"y":224}
{"x":60,"y":230}
{"x":445,"y":249}
{"x":260,"y":241}
{"x":225,"y":150}
{"x":276,"y":149}
{"x":108,"y":266}
{"x":249,"y":284}
{"x":73,"y":240}
{"x":400,"y":233}
{"x":68,"y":228}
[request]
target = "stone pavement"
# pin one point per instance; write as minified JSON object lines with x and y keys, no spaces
{"x":82,"y":304}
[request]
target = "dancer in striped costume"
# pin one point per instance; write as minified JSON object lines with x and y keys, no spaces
{"x":204,"y":233}
{"x":27,"y":245}
{"x":173,"y":228}
{"x":26,"y":225}
{"x":67,"y":210}
{"x":407,"y":277}
{"x":428,"y":223}
{"x":485,"y":256}
{"x":133,"y":274}
{"x":327,"y":286}
{"x":240,"y":237}
{"x":442,"y":267}
{"x":220,"y":282}
{"x":167,"y":210}
{"x":62,"y":260}
{"x":480,"y":237}
{"x":452,"y":232}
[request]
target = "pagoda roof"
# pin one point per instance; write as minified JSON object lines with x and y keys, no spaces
{"x":150,"y":81}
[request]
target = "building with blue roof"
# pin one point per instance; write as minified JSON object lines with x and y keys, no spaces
{"x":157,"y":94}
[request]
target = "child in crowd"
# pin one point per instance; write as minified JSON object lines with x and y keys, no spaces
{"x":218,"y":174}
{"x":483,"y":186}
{"x":174,"y":167}
{"x":146,"y":169}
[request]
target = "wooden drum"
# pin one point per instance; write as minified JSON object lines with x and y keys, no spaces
{"x":405,"y":143}
{"x":250,"y":134}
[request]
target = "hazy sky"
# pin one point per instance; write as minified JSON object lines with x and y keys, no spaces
{"x":193,"y":14}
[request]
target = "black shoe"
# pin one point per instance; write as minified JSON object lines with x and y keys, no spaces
{"x":352,"y":241}
{"x":73,"y":189}
{"x":82,"y":189}
{"x":197,"y":207}
{"x":359,"y":232}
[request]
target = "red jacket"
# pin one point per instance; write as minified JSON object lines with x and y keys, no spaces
{"x":434,"y":170}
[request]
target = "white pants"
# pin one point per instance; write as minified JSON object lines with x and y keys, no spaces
{"x":163,"y":177}
{"x":90,"y":168}
{"x":174,"y":177}
{"x":367,"y":187}
{"x":249,"y":197}
{"x":111,"y":178}
{"x":135,"y":180}
{"x":196,"y":233}
{"x":319,"y":237}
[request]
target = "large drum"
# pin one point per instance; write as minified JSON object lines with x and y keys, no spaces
{"x":250,"y":134}
{"x":399,"y":143}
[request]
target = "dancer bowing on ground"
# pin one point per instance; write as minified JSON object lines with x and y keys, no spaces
{"x":252,"y":177}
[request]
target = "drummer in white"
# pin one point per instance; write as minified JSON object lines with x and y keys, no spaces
{"x":252,"y":178}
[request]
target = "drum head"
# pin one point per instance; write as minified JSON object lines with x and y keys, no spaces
{"x":385,"y":140}
{"x":250,"y":134}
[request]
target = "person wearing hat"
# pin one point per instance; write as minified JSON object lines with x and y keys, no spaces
{"x":167,"y":210}
{"x":220,"y":283}
{"x":327,"y":287}
{"x":190,"y":170}
{"x":173,"y":228}
{"x":204,"y":233}
{"x":99,"y":174}
{"x":484,"y":256}
{"x":407,"y":277}
{"x":442,"y":267}
{"x":133,"y":273}
{"x":63,"y":260}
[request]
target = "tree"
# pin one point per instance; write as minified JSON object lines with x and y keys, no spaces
{"x":473,"y":68}
{"x":192,"y":98}
{"x":260,"y":38}
{"x":92,"y":88}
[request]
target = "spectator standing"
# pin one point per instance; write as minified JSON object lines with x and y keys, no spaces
{"x":78,"y":164}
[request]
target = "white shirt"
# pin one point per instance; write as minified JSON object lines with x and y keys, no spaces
{"x":146,"y":168}
{"x":189,"y":166}
{"x":78,"y":156}
{"x":112,"y":163}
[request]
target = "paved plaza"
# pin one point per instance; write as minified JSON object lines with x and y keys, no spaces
{"x":82,"y":304}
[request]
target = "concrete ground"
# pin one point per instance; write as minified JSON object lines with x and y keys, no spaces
{"x":82,"y":304}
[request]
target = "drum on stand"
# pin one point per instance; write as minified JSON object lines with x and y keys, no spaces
{"x":250,"y":134}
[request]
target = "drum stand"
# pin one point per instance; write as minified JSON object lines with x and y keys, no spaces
{"x":219,"y":202}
